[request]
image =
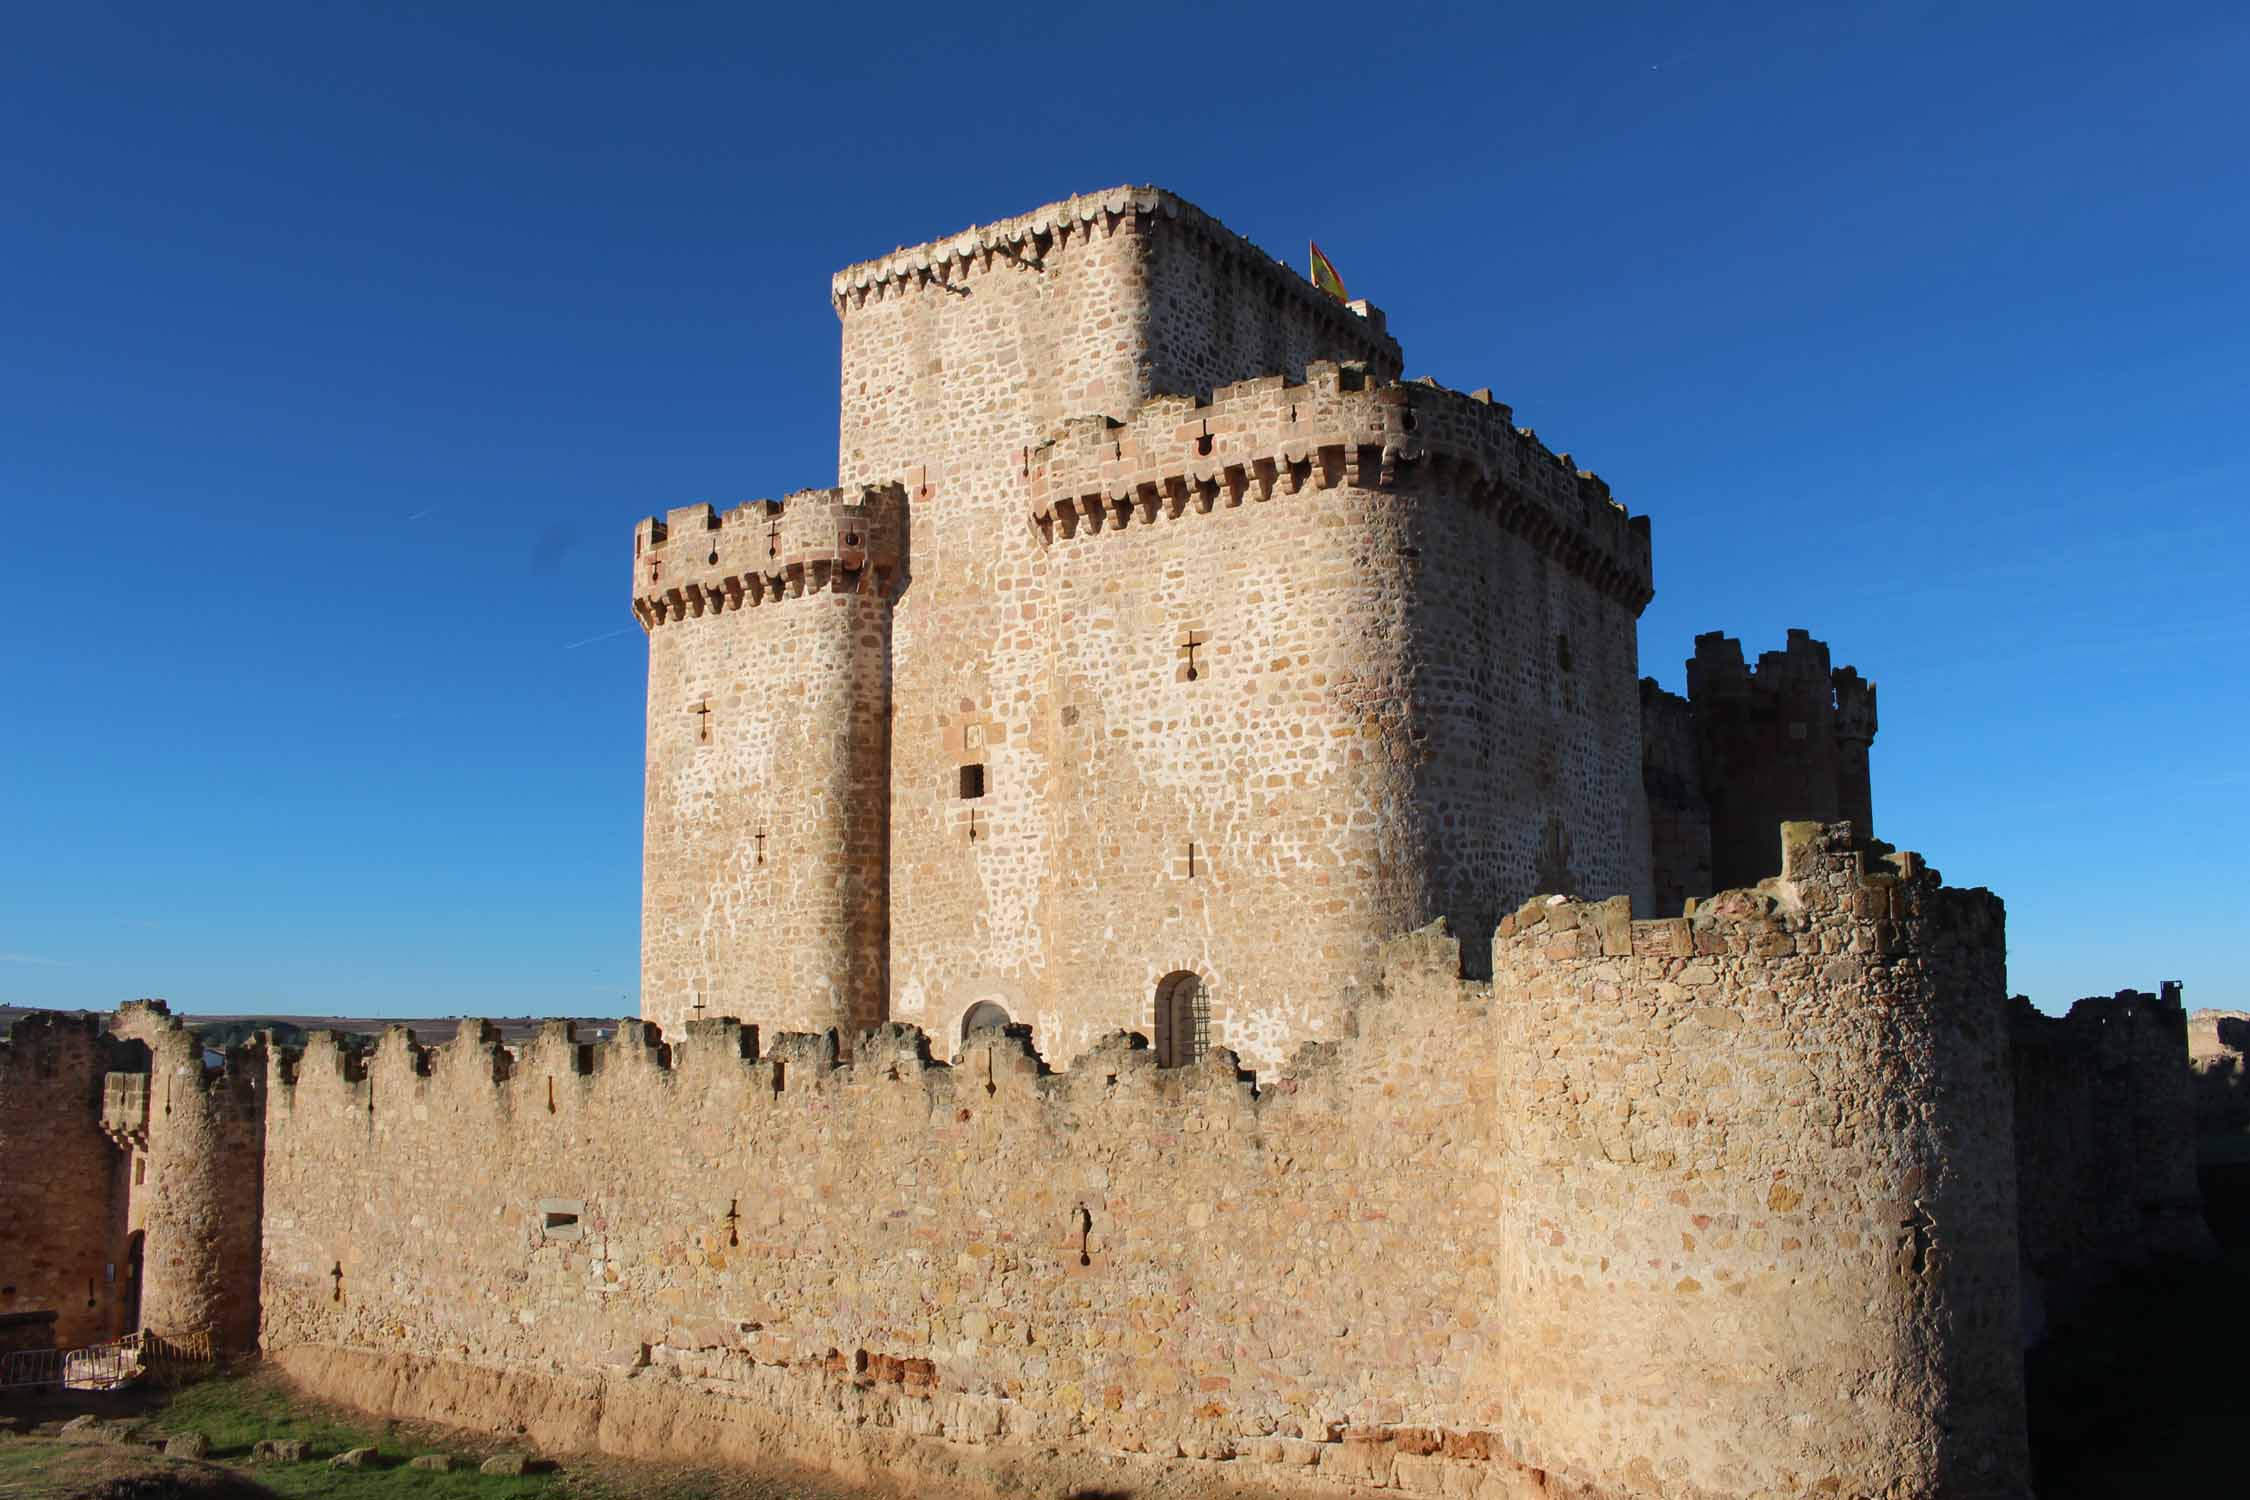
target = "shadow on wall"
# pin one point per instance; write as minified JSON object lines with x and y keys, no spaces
{"x":2136,"y":1389}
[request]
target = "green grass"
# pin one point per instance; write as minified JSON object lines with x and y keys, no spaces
{"x":236,"y":1409}
{"x":235,"y":1413}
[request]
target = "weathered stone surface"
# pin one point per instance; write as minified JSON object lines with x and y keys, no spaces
{"x":352,"y":1458}
{"x":441,"y":1463}
{"x":280,"y":1450}
{"x":505,"y":1463}
{"x":187,"y":1445}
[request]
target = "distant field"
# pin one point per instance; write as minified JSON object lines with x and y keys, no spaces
{"x":513,"y":1029}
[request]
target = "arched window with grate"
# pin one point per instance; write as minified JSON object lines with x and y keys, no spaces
{"x":1183,"y":1019}
{"x":985,"y":1015}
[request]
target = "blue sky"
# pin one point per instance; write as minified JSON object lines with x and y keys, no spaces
{"x":341,"y":345}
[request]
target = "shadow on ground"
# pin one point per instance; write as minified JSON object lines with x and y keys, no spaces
{"x":2138,"y":1389}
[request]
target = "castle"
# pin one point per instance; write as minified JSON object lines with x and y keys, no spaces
{"x":1161,"y":655}
{"x":1174,"y":927}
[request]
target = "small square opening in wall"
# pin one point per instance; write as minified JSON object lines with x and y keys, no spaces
{"x":972,"y":782}
{"x":562,"y":1219}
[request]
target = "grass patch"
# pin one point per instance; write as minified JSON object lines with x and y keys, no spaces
{"x":236,"y":1412}
{"x":236,"y":1409}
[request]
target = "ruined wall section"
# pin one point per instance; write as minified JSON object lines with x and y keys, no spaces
{"x":2105,"y":1136}
{"x":1757,"y":1217}
{"x":1785,"y":742}
{"x":1117,"y":1257}
{"x":1679,"y":818}
{"x":201,"y":1203}
{"x":61,"y":1188}
{"x":765,"y":853}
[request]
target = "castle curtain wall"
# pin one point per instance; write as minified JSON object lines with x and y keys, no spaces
{"x":785,"y":1251}
{"x":61,"y":1185}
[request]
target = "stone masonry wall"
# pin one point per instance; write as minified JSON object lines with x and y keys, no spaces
{"x":1679,"y":819}
{"x":765,"y":853}
{"x":2105,"y":1136}
{"x":1327,"y":661}
{"x":61,"y":1185}
{"x":1117,"y":1257}
{"x":959,"y":359}
{"x":1757,"y":1225}
{"x":1786,"y":741}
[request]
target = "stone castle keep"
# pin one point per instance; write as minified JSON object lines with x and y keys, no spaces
{"x":1173,"y":926}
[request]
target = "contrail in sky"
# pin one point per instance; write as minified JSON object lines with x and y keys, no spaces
{"x":605,"y":635}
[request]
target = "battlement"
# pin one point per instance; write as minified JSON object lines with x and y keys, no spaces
{"x":1828,"y":873}
{"x":555,"y":1068}
{"x":38,"y":1046}
{"x":1799,"y":674}
{"x":697,"y":558}
{"x":1021,"y":244}
{"x":1259,"y":439}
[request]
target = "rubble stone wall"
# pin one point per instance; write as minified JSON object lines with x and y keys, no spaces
{"x":1679,"y":817}
{"x":2105,"y":1136}
{"x":1786,"y":740}
{"x":1757,"y":1228}
{"x":61,"y":1183}
{"x":1119,"y":1257}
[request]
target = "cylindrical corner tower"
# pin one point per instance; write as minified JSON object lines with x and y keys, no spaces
{"x":201,"y":1205}
{"x":1758,"y":1223}
{"x":765,"y":859}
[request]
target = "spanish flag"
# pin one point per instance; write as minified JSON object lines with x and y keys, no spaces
{"x":1324,"y":275}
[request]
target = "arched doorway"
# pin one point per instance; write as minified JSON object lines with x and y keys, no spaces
{"x":985,"y":1015}
{"x":1183,"y":1019}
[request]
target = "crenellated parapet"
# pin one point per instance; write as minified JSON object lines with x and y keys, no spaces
{"x":698,"y":559}
{"x":1020,"y":245}
{"x":1257,"y":441}
{"x":1797,"y":681}
{"x":1785,"y":740}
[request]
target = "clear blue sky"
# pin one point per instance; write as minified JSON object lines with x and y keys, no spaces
{"x":341,"y":345}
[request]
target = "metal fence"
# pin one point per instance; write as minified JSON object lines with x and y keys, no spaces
{"x":102,"y":1367}
{"x":99,"y":1367}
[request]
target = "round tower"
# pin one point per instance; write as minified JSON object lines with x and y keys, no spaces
{"x":1758,"y":1206}
{"x":200,"y":1204}
{"x":765,"y":855}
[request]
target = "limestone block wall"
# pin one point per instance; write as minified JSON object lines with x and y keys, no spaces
{"x":61,"y":1184}
{"x":200,"y":1203}
{"x":1119,"y":1256}
{"x":765,"y":854}
{"x":1679,"y":818}
{"x":2105,"y":1136}
{"x":1757,"y":1222}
